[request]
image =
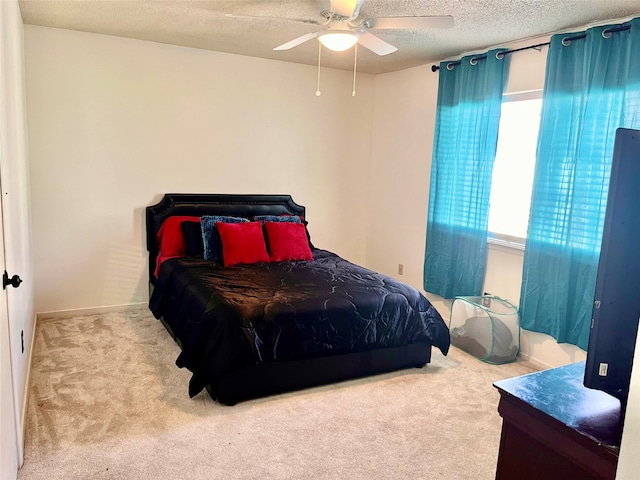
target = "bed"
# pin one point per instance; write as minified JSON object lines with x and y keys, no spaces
{"x":254,"y":329}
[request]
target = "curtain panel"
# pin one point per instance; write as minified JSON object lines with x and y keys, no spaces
{"x":465,"y":142}
{"x":592,"y":87}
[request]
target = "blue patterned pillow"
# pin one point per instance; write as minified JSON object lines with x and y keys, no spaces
{"x":211,"y":237}
{"x":277,"y":218}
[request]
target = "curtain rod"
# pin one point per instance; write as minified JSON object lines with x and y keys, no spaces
{"x":606,"y":33}
{"x":435,"y":68}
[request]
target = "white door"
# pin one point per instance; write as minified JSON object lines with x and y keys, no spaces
{"x":16,"y":249}
{"x":8,"y":424}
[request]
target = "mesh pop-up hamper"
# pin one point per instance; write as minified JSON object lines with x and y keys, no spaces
{"x":487,"y":327}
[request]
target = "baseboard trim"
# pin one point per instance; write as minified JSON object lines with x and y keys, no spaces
{"x":91,"y":311}
{"x":535,"y":361}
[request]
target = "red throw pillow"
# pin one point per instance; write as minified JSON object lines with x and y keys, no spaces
{"x":170,"y":235}
{"x":288,"y":241}
{"x":171,"y":239}
{"x":242,"y":243}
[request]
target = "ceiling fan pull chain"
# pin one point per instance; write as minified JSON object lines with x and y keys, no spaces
{"x":318,"y":92}
{"x":355,"y":62}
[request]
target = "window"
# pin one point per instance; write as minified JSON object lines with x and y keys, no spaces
{"x":513,"y":168}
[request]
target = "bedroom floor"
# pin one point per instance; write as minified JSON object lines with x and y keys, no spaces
{"x":106,"y":401}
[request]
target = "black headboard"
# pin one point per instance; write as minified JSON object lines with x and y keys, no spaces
{"x":212,"y":204}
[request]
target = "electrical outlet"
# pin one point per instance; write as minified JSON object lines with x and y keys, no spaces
{"x":400,"y":269}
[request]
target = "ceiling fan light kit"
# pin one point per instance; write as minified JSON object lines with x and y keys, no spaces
{"x":338,"y":41}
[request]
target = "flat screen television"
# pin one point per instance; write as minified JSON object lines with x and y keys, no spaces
{"x":616,"y":308}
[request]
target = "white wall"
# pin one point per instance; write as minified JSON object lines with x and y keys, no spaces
{"x":114,"y":123}
{"x":404,"y":118}
{"x":14,"y":170}
{"x":629,"y":461}
{"x":402,"y":140}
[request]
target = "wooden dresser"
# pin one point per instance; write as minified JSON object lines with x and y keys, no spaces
{"x":555,"y":428}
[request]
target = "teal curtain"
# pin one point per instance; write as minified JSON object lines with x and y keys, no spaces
{"x":465,"y":140}
{"x":592,"y":87}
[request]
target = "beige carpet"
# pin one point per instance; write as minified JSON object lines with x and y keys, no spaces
{"x":107,"y":402}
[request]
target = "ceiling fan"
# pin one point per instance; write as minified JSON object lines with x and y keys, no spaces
{"x":342,"y":28}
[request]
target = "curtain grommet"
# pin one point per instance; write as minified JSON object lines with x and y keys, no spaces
{"x":566,"y":41}
{"x":606,"y":33}
{"x":473,"y":61}
{"x":449,"y":66}
{"x":499,"y":55}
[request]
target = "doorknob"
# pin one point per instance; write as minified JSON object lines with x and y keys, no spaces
{"x":14,"y":281}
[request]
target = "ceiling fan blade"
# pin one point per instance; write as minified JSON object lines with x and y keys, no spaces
{"x":345,"y":8}
{"x":287,"y":19}
{"x":297,"y":41}
{"x":375,"y":44}
{"x":442,"y":21}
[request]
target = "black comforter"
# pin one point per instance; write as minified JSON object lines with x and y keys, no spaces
{"x":227,"y":317}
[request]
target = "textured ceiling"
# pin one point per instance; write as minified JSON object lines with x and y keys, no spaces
{"x":203,"y":24}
